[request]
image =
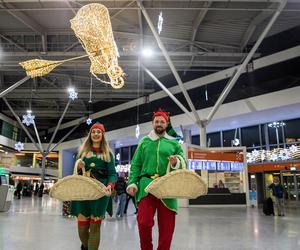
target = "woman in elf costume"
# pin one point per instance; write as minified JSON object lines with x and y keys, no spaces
{"x":95,"y":156}
{"x":149,"y":162}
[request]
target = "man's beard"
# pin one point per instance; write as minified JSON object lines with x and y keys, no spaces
{"x":159,"y":130}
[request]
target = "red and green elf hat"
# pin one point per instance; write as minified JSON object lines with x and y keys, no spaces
{"x":98,"y":126}
{"x":162,"y":113}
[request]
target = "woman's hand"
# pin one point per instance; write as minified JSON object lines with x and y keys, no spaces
{"x":108,"y":190}
{"x":80,"y":164}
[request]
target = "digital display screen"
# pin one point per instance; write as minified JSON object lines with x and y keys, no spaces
{"x":224,"y":166}
{"x":216,"y":165}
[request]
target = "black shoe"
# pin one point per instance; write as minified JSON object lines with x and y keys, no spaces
{"x":83,"y":247}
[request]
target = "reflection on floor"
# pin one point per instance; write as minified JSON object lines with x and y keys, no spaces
{"x":37,"y":224}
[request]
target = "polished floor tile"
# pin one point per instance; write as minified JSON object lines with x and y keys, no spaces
{"x":37,"y":224}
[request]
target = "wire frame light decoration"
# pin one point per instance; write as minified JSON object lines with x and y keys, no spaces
{"x":92,"y":27}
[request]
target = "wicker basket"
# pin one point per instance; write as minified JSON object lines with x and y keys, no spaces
{"x":181,"y":183}
{"x":77,"y":188}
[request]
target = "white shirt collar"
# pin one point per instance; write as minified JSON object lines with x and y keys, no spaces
{"x":153,"y":136}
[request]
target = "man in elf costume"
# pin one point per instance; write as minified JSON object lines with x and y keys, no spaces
{"x":149,"y":162}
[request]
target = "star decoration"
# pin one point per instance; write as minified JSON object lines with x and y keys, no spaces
{"x":255,"y":153}
{"x":273,"y":157}
{"x":284,"y":154}
{"x":250,"y":158}
{"x":137,"y":131}
{"x":73,"y":95}
{"x":88,"y":121}
{"x":263,"y":155}
{"x":160,"y":22}
{"x":118,"y":156}
{"x":293,"y":149}
{"x":19,"y":146}
{"x":28,"y":119}
{"x":236,"y":142}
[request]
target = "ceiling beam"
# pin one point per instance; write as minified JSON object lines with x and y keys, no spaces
{"x":209,"y":79}
{"x":253,"y":25}
{"x":28,"y":22}
{"x":150,"y":1}
{"x":200,"y":17}
{"x":10,"y":41}
{"x":126,"y":35}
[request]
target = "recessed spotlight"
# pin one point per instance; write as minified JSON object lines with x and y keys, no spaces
{"x":147,"y":52}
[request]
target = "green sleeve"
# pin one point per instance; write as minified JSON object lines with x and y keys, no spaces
{"x":112,"y":174}
{"x":136,"y":166}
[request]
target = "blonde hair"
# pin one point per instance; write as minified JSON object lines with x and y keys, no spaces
{"x":87,"y":146}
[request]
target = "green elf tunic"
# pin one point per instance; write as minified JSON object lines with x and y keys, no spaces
{"x":151,"y":159}
{"x":95,"y":164}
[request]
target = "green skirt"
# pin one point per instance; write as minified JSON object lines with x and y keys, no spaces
{"x":95,"y":208}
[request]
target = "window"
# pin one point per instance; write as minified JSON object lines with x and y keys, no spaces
{"x":228,"y":136}
{"x":250,"y":136}
{"x":214,"y":139}
{"x":124,"y":155}
{"x":196,"y":140}
{"x":273,"y":137}
{"x":291,"y":129}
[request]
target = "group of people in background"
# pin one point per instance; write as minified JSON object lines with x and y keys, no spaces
{"x":27,"y":189}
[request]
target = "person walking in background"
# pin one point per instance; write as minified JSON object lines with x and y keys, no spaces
{"x":121,"y":192}
{"x":128,"y":198}
{"x":19,"y":189}
{"x":41,"y":190}
{"x":278,"y":191}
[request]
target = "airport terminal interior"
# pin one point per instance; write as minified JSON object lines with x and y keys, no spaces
{"x":149,"y":124}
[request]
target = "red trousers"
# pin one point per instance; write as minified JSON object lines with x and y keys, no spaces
{"x":166,"y":223}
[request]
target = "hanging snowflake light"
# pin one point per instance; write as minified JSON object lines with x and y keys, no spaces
{"x":118,"y":156}
{"x":293,"y":149}
{"x":160,"y":22}
{"x":255,"y":153}
{"x":236,"y":142}
{"x":88,"y":121}
{"x":274,"y":157}
{"x":28,"y":119}
{"x":263,"y":155}
{"x":250,"y":158}
{"x":19,"y":146}
{"x":284,"y":154}
{"x":72,"y":94}
{"x":137,"y":131}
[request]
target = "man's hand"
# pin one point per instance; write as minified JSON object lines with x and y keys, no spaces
{"x":173,"y":160}
{"x":131,"y":191}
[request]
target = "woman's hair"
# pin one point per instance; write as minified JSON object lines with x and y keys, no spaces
{"x":87,"y":146}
